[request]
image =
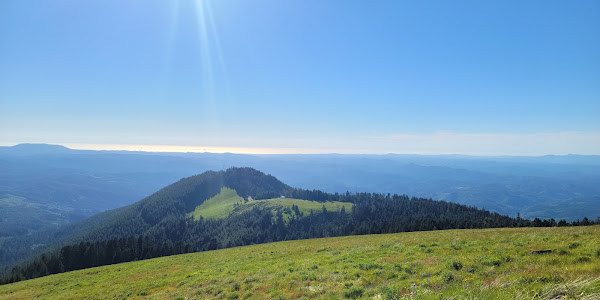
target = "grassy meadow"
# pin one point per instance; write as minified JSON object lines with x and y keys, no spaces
{"x":219,"y":206}
{"x":228,"y":201}
{"x":451,"y":264}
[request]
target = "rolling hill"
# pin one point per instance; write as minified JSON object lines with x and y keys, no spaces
{"x":228,"y":201}
{"x":474,"y":264}
{"x":55,"y":185}
{"x":162,"y":223}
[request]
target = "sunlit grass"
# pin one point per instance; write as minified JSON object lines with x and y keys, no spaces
{"x":306,"y":206}
{"x":472,"y":264}
{"x":219,"y":206}
{"x":228,"y":201}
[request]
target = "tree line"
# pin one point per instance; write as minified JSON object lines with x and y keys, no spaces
{"x":371,"y":214}
{"x":159,"y":225}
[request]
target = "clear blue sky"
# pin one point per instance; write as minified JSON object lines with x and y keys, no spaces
{"x":475,"y":77}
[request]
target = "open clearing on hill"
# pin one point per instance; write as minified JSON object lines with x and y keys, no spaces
{"x":228,"y":201}
{"x":219,"y":206}
{"x":476,"y":264}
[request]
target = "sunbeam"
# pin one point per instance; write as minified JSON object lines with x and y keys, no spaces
{"x":212,"y":65}
{"x":173,"y":25}
{"x":205,"y":54}
{"x":217,"y":44}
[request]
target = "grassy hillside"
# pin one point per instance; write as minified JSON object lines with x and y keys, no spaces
{"x":305,"y":206}
{"x":219,"y":206}
{"x":482,"y":264}
{"x":228,"y":201}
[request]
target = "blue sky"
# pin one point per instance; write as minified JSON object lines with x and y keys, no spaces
{"x":470,"y":77}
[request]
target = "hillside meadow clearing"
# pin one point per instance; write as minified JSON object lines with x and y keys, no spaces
{"x":228,"y":201}
{"x":450,"y":264}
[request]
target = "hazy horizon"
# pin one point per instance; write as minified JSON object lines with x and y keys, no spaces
{"x":476,"y":78}
{"x":250,"y":150}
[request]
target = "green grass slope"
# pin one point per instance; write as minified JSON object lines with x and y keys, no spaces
{"x":219,"y":206}
{"x":474,"y":264}
{"x":305,"y":206}
{"x":228,"y":201}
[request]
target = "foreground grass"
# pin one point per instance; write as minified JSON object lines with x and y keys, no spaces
{"x":452,"y":264}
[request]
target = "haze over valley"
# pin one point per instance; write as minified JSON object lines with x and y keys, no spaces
{"x":45,"y":186}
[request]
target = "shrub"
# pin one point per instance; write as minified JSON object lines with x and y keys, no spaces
{"x":551,"y":279}
{"x":354,"y":292}
{"x":448,"y":277}
{"x":236,"y":286}
{"x":399,"y":266}
{"x":455,"y":246}
{"x":583,"y":259}
{"x":492,"y":262}
{"x":456,"y":265}
{"x":369,"y":266}
{"x":389,"y":292}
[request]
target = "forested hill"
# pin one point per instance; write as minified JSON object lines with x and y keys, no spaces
{"x":161,"y":223}
{"x":169,"y":203}
{"x":180,"y":198}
